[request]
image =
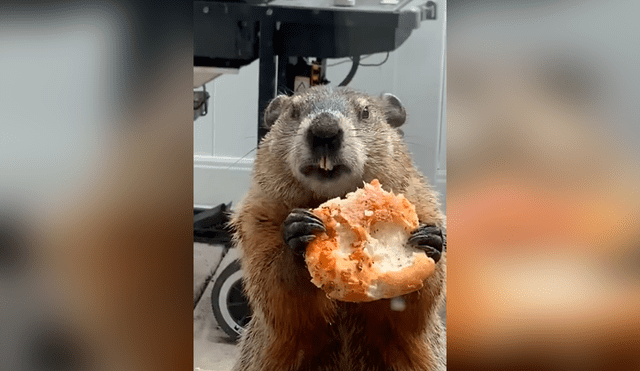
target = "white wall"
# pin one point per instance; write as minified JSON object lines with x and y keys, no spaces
{"x":414,"y":73}
{"x":222,"y":138}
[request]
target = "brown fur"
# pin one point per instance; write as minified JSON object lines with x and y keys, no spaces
{"x":295,"y":326}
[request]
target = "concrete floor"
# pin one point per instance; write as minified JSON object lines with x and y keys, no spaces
{"x":212,"y":348}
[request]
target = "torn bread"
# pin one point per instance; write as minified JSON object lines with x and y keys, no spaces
{"x":364,"y":254}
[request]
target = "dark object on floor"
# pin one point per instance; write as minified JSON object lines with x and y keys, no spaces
{"x":210,"y":225}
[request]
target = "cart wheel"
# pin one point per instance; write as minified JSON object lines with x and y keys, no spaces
{"x":230,"y":305}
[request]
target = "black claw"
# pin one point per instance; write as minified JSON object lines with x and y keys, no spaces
{"x":299,"y":244}
{"x":432,"y":240}
{"x":429,"y":229}
{"x":432,"y":253}
{"x":303,"y":215}
{"x":429,"y":238}
{"x":299,"y":228}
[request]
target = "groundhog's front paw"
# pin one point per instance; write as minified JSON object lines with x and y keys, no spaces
{"x":299,"y":228}
{"x":429,"y":238}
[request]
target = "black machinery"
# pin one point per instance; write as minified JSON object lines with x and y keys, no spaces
{"x":232,"y":34}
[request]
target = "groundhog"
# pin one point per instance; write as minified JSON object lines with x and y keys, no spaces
{"x":321,"y":144}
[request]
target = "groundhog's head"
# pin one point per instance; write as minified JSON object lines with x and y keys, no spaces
{"x":328,"y":137}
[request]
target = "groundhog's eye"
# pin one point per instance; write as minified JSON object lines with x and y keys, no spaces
{"x":364,"y":114}
{"x":295,"y":112}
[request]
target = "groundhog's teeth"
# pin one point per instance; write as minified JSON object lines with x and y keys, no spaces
{"x":325,"y":164}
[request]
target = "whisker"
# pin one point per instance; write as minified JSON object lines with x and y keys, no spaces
{"x":285,"y":90}
{"x":240,"y":159}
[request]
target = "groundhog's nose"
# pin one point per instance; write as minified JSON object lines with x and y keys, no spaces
{"x":325,"y":134}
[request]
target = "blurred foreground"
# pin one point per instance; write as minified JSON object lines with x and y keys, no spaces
{"x":95,"y":186}
{"x":543,"y":197}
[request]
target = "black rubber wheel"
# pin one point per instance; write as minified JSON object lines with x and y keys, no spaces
{"x":230,"y":305}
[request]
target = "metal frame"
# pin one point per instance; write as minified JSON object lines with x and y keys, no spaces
{"x":328,"y":31}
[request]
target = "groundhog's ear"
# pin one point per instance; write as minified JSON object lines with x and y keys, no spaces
{"x":394,"y":110}
{"x":273,"y":110}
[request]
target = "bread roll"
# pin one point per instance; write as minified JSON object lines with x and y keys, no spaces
{"x":364,"y":255}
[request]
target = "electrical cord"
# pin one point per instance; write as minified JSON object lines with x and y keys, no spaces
{"x":352,"y":72}
{"x":361,"y":59}
{"x":349,"y":59}
{"x":354,"y":67}
{"x":376,"y":64}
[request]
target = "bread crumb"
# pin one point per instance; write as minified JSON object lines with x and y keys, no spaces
{"x":368,"y":213}
{"x":398,"y":304}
